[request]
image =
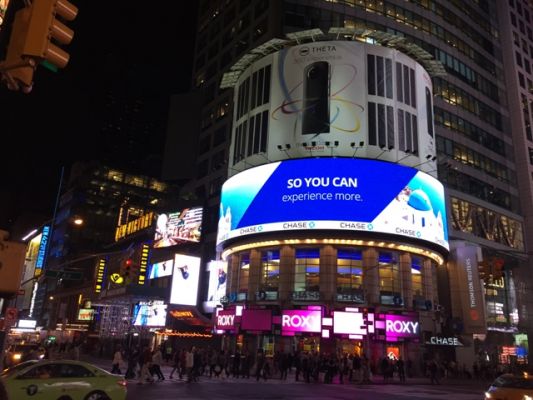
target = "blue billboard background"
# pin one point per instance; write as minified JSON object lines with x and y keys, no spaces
{"x":334,"y":193}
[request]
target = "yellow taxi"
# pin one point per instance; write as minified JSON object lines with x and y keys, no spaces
{"x":62,"y":380}
{"x":511,"y":387}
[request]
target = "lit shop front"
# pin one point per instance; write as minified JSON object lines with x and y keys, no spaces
{"x":352,"y":330}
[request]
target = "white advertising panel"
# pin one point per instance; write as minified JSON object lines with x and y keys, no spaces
{"x":218,"y":273}
{"x":150,"y":313}
{"x":185,"y":279}
{"x":349,"y":323}
{"x":160,"y":269}
{"x":334,"y":193}
{"x":335,"y":98}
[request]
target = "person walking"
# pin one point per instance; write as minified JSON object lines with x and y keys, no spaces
{"x":400,"y":365}
{"x":260,"y":365}
{"x":117,"y":361}
{"x":175,"y":363}
{"x":385,"y":369}
{"x":145,"y":374}
{"x":157,"y":360}
{"x":189,"y":364}
{"x":434,"y":372}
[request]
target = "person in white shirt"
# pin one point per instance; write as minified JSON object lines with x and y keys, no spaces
{"x":157,"y":360}
{"x":117,"y":361}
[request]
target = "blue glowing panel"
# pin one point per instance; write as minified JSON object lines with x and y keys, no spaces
{"x":334,"y":194}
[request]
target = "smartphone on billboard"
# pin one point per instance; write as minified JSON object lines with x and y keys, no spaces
{"x":429,"y":112}
{"x":316,"y":90}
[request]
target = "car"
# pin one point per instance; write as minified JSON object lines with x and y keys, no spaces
{"x":20,"y":352}
{"x":511,"y":387}
{"x":62,"y":380}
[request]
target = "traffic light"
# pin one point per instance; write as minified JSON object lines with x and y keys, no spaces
{"x":35,"y":30}
{"x":498,"y":268}
{"x":126,"y":270}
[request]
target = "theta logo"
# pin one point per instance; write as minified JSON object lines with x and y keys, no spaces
{"x":225,"y":320}
{"x":304,"y":51}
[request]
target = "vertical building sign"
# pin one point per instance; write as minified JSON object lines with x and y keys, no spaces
{"x":41,"y":253}
{"x":145,"y":253}
{"x":470,"y":289}
{"x":100,"y":274}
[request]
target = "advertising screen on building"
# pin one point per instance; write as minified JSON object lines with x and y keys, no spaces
{"x":3,"y":9}
{"x":185,"y":279}
{"x":334,"y":193}
{"x":225,"y":320}
{"x":399,"y":326}
{"x":349,"y":323}
{"x":160,"y":269}
{"x":178,"y":227}
{"x":301,"y":321}
{"x":218,"y":273}
{"x":85,"y":314}
{"x":331,"y":98}
{"x":150,"y":313}
{"x":256,"y":320}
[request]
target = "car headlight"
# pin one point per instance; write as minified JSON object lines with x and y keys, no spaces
{"x":17,"y":356}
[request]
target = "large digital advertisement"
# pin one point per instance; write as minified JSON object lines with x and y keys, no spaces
{"x":161,"y":269}
{"x":150,"y":313}
{"x":334,"y":193}
{"x":185,"y":279}
{"x":218,"y":274}
{"x":178,"y":227}
{"x":341,"y":98}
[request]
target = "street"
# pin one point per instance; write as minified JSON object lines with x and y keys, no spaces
{"x":276,"y":389}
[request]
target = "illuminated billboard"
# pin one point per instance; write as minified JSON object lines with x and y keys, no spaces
{"x":218,"y":273}
{"x":301,"y":321}
{"x":85,"y":314}
{"x":178,"y":227}
{"x":334,"y":194}
{"x":3,"y":10}
{"x":160,"y":269}
{"x":185,"y":279}
{"x":349,"y":323}
{"x":150,"y":313}
{"x":334,"y":98}
{"x":398,"y":326}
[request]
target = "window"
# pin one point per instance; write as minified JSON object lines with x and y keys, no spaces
{"x":416,"y":276}
{"x":306,"y":270}
{"x":244,"y":272}
{"x":350,"y":276}
{"x":270,"y":270}
{"x":74,"y":371}
{"x":389,"y":278}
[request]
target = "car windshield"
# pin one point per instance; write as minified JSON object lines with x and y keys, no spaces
{"x":19,"y":367}
{"x":516,"y":382}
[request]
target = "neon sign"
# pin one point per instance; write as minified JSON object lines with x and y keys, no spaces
{"x":41,"y":253}
{"x":301,"y":321}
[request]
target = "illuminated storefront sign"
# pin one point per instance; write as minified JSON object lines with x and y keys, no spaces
{"x":444,"y":341}
{"x":85,"y":314}
{"x":334,"y":194}
{"x":41,"y":253}
{"x":225,"y":320}
{"x":349,"y":323}
{"x":143,"y":265}
{"x":301,"y":321}
{"x":398,"y":326}
{"x":134,"y":226}
{"x":100,"y":274}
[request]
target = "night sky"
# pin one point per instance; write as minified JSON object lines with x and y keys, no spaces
{"x":122,"y":51}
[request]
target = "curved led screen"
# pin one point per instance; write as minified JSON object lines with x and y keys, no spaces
{"x":334,"y":194}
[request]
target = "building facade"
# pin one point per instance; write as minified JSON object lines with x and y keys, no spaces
{"x":473,"y":132}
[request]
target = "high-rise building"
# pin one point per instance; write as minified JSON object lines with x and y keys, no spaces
{"x":481,"y":112}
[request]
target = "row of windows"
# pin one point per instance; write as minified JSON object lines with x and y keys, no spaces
{"x":251,"y":137}
{"x":416,"y":21}
{"x":380,"y":125}
{"x":457,"y":180}
{"x":471,"y":131}
{"x":518,"y":7}
{"x":458,"y":97}
{"x":259,"y":93}
{"x":487,"y":224}
{"x":349,"y":274}
{"x":474,"y":159}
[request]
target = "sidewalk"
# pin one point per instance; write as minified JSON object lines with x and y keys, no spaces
{"x":105,"y":364}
